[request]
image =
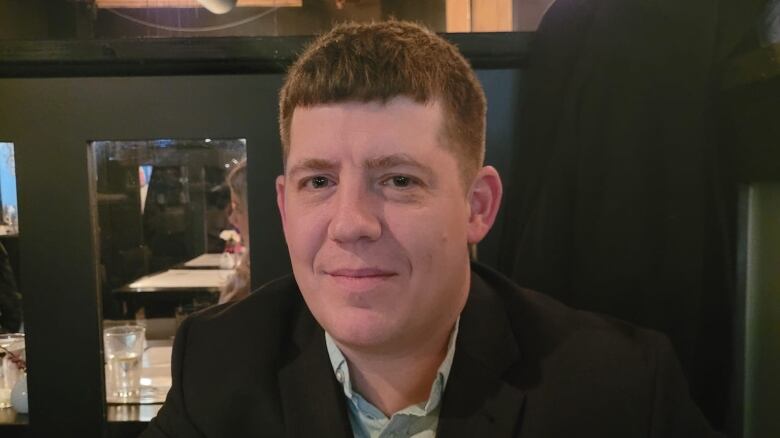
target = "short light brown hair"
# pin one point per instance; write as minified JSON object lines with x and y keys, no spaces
{"x":380,"y":61}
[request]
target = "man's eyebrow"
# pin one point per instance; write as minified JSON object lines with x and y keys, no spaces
{"x":395,"y":160}
{"x":310,"y":164}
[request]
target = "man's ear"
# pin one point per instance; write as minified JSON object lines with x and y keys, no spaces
{"x":484,"y":200}
{"x":280,"y":182}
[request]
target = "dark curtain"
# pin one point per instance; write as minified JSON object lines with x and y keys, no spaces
{"x":616,"y":201}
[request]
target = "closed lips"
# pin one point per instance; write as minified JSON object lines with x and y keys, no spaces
{"x":360,"y":273}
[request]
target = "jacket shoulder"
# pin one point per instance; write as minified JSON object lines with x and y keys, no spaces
{"x":586,"y":367}
{"x":226,"y":360}
{"x":538,"y":319}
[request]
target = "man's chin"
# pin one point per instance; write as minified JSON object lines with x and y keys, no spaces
{"x":360,"y":330}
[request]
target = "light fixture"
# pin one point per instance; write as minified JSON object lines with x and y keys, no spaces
{"x":215,"y":6}
{"x":218,"y":6}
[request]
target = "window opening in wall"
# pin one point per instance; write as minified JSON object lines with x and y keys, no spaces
{"x":173,"y":239}
{"x":13,"y":366}
{"x":10,"y":208}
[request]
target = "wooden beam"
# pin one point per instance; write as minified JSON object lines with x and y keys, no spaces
{"x":211,"y":55}
{"x":137,"y":4}
{"x":458,"y":15}
{"x":491,"y":15}
{"x":479,"y":15}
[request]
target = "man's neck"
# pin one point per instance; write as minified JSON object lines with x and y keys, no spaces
{"x":394,"y":382}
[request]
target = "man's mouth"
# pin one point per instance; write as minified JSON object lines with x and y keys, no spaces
{"x":361,"y":273}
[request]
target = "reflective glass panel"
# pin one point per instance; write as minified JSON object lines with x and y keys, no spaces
{"x":13,"y":366}
{"x":172,"y":230}
{"x":162,"y":204}
{"x":10,"y":209}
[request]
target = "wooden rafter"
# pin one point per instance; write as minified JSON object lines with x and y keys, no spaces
{"x":137,"y":4}
{"x":479,"y":15}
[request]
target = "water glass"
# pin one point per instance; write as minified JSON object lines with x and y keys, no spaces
{"x":123,"y":346}
{"x":10,"y":370}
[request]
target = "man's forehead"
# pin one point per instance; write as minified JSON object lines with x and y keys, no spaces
{"x":371,"y":108}
{"x":376,"y":162}
{"x":376,"y":104}
{"x":391,"y":120}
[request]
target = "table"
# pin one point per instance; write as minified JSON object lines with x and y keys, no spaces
{"x":9,"y":416}
{"x":206,"y":261}
{"x":174,"y":287}
{"x":155,"y":372}
{"x":174,"y":279}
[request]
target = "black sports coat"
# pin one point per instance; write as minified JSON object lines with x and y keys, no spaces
{"x":524,"y":366}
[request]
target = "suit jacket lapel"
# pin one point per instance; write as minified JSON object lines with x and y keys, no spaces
{"x":312,"y":399}
{"x":478,"y":401}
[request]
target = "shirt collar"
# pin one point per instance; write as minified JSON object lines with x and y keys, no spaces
{"x":341,"y":370}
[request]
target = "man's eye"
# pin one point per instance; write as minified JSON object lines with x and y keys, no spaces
{"x":318,"y":182}
{"x":400,"y":181}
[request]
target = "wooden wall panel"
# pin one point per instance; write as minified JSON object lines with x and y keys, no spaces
{"x":479,"y":15}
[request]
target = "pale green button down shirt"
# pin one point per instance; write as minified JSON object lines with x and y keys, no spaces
{"x":416,"y":421}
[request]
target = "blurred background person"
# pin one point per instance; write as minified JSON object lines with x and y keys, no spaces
{"x":10,"y":299}
{"x":237,"y":287}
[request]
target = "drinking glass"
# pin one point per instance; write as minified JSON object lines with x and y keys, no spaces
{"x":123,"y":346}
{"x":10,"y":371}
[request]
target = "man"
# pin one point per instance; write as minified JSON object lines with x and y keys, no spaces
{"x":385,"y":329}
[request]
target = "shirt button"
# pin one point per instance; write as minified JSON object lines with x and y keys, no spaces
{"x":340,"y":376}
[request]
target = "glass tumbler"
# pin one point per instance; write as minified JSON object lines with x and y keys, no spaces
{"x":123,"y":347}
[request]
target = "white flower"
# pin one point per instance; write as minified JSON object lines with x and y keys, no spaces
{"x":230,"y":235}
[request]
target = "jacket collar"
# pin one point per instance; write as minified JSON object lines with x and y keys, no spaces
{"x":312,"y":401}
{"x":477,"y":400}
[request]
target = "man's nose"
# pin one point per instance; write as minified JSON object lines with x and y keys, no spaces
{"x":354,"y":216}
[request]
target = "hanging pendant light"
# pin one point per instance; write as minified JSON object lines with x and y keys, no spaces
{"x":218,"y":6}
{"x":215,"y":6}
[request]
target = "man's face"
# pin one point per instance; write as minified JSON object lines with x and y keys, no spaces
{"x":376,"y":220}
